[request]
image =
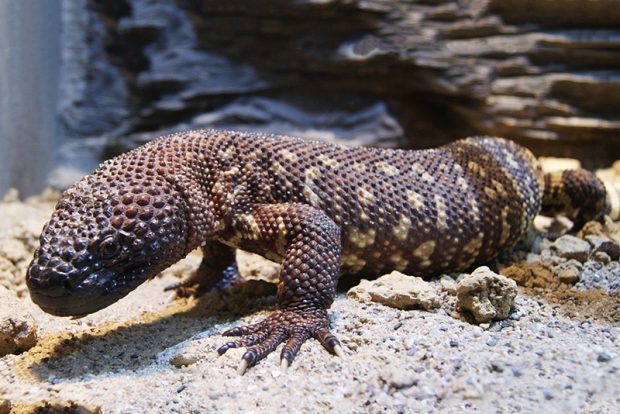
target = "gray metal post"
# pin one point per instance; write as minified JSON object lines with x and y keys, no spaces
{"x":29,"y":62}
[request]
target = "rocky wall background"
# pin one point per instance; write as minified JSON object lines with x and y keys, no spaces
{"x":383,"y":72}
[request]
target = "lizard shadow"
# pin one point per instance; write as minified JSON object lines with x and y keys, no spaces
{"x":135,"y":344}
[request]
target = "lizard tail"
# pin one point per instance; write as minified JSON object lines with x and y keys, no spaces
{"x":580,"y":195}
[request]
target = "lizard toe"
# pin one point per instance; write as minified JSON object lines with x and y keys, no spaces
{"x":289,"y":326}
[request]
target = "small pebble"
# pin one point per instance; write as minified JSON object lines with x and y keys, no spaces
{"x":5,"y":406}
{"x":412,"y":351}
{"x":181,"y":360}
{"x":454,"y":343}
{"x":496,"y":367}
{"x":492,"y":342}
{"x":515,"y":315}
{"x":603,"y":357}
{"x":601,"y":257}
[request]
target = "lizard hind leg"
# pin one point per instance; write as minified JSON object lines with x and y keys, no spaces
{"x":309,"y":244}
{"x":218,"y":270}
{"x":578,"y":193}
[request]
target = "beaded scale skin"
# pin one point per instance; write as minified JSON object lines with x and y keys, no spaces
{"x":318,"y":209}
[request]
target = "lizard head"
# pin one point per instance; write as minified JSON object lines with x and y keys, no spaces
{"x":110,"y":232}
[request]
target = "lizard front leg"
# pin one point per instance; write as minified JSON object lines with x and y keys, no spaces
{"x":307,"y":242}
{"x":217,"y":270}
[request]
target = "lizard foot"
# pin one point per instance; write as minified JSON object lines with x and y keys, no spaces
{"x":291,"y":325}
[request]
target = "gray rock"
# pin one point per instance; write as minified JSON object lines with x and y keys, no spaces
{"x":571,"y":247}
{"x":18,"y":330}
{"x":595,"y":241}
{"x":142,"y":65}
{"x":486,"y":295}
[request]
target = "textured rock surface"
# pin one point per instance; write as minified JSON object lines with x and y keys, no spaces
{"x":374,"y":71}
{"x":485,"y":295}
{"x":398,"y":291}
{"x":571,"y":247}
{"x":18,"y":330}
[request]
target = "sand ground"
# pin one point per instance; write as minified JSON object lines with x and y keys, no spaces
{"x":558,"y":351}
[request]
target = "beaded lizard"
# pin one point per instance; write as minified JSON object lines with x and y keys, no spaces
{"x":318,"y":209}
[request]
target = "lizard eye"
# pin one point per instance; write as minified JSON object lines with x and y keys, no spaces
{"x":108,"y":248}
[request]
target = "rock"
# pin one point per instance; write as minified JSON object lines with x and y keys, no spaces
{"x":162,"y":64}
{"x":398,"y":291}
{"x":14,"y":250}
{"x":182,"y":360}
{"x":448,"y":284}
{"x":253,"y":266}
{"x":5,"y":406}
{"x":571,"y":247}
{"x":486,"y":295}
{"x":604,"y":245}
{"x":595,"y":241}
{"x":568,"y":272}
{"x":609,"y":248}
{"x":601,"y":257}
{"x":18,"y":331}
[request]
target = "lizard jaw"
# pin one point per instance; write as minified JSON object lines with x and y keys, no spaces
{"x":55,"y":294}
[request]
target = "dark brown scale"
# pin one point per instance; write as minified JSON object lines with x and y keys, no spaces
{"x":318,"y":209}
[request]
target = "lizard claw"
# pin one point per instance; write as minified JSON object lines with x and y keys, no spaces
{"x":243,"y":366}
{"x":339,"y":352}
{"x":292,"y":326}
{"x":284,"y":365}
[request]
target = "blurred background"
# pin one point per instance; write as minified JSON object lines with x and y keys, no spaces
{"x":83,"y":80}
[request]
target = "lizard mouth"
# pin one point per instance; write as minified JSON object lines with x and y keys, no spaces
{"x":58,"y":296}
